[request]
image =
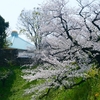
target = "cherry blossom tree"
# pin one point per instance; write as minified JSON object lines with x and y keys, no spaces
{"x":69,"y":46}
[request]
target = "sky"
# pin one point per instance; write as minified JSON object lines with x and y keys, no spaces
{"x":11,"y":9}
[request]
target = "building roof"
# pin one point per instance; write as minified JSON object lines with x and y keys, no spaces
{"x":18,"y":43}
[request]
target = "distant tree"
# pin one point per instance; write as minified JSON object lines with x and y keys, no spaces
{"x":30,"y":25}
{"x":3,"y":26}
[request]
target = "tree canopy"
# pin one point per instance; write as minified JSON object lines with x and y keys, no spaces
{"x":70,"y":44}
{"x":3,"y":26}
{"x":30,"y":24}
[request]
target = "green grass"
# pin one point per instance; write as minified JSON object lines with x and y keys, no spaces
{"x":89,"y":90}
{"x":14,"y":87}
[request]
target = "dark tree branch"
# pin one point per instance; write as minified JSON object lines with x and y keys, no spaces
{"x":85,"y":18}
{"x":46,"y":94}
{"x":96,"y":19}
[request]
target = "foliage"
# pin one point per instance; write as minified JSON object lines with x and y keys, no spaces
{"x":3,"y":27}
{"x":93,"y":72}
{"x":15,"y":88}
{"x":14,"y":84}
{"x":30,"y":23}
{"x":87,"y":90}
{"x":3,"y":43}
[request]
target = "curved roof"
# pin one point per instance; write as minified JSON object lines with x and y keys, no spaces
{"x":18,"y":43}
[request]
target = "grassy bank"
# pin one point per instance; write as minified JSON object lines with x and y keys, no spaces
{"x":14,"y":86}
{"x":89,"y":90}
